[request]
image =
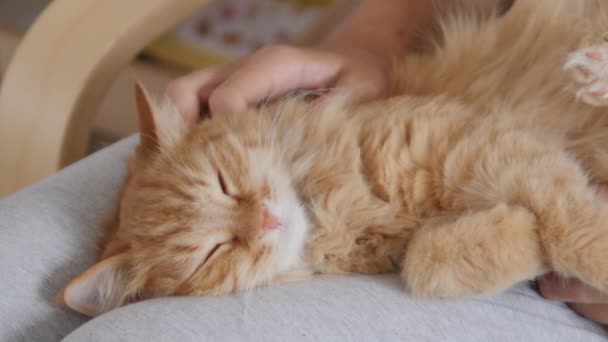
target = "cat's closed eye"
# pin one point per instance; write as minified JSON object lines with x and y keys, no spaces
{"x":213,"y":251}
{"x":222,"y":182}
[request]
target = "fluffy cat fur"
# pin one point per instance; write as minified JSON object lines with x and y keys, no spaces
{"x":474,"y":176}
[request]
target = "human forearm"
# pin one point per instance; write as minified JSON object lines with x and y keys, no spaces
{"x":386,"y":27}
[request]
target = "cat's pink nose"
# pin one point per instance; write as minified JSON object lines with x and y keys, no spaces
{"x":270,"y":221}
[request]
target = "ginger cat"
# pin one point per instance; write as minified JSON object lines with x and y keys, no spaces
{"x":474,"y":176}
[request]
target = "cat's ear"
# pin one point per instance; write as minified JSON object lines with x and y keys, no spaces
{"x":160,"y":126}
{"x":101,"y":288}
{"x":146,"y":118}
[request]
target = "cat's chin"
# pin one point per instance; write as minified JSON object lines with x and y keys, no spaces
{"x":290,"y":237}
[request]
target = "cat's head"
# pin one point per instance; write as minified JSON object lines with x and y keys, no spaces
{"x":206,"y":210}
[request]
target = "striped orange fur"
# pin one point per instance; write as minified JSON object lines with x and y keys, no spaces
{"x":473,"y":176}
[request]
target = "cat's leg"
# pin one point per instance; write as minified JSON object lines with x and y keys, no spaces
{"x":591,"y":150}
{"x":566,"y":230}
{"x":588,"y":68}
{"x":572,"y":223}
{"x":477,"y":252}
{"x":573,"y":229}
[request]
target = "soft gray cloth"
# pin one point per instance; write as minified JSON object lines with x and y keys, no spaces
{"x":342,"y":309}
{"x":48,"y":235}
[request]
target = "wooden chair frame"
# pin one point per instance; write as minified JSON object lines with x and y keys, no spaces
{"x":61,"y":71}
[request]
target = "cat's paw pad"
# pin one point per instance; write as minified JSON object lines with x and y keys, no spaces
{"x":589,"y":70}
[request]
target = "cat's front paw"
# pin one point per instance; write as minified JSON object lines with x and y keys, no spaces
{"x":588,"y":68}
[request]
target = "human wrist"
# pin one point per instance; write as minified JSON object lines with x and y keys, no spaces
{"x":361,"y":55}
{"x":386,"y":28}
{"x":376,"y":51}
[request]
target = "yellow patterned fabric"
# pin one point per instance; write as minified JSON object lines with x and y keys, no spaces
{"x":232,"y":28}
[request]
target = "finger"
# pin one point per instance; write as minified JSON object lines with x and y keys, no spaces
{"x":601,"y":192}
{"x":221,"y":75}
{"x":270,"y":73}
{"x":189,"y":92}
{"x":594,"y":312}
{"x":359,"y":90}
{"x":569,"y":290}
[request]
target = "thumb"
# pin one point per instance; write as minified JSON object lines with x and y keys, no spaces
{"x":359,"y":90}
{"x":187,"y":92}
{"x":271,"y":73}
{"x":570,"y":290}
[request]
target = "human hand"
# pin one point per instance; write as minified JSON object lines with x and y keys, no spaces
{"x":274,"y":71}
{"x":583,"y":299}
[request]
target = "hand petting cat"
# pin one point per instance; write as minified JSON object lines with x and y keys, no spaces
{"x":274,"y":71}
{"x":357,"y":60}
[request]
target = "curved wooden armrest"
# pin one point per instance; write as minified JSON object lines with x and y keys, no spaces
{"x":61,"y":71}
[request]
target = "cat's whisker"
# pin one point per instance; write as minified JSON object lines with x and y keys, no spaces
{"x":281,"y":110}
{"x":263,"y":107}
{"x":253,"y":283}
{"x":287,"y":138}
{"x":296,"y":96}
